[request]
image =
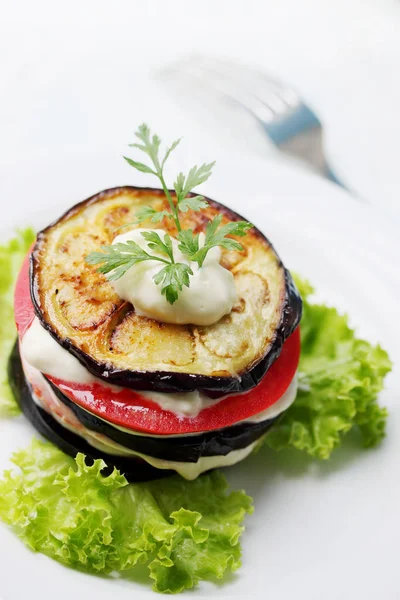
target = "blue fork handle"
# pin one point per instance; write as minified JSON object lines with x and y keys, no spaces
{"x":301,"y":120}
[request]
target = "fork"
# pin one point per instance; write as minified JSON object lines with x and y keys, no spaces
{"x":290,"y":123}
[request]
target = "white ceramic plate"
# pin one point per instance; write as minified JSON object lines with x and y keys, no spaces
{"x":326,"y":530}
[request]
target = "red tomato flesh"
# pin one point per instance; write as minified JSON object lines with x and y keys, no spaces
{"x":23,"y":307}
{"x":129,"y":409}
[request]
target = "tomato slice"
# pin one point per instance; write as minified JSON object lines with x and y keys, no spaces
{"x":23,"y":307}
{"x":129,"y":409}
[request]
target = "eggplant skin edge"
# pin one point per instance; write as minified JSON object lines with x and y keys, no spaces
{"x":134,"y":469}
{"x":181,"y":449}
{"x":169,"y":381}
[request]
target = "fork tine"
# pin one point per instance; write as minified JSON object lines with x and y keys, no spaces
{"x":242,"y":87}
{"x":237,"y":73}
{"x":237,"y":69}
{"x":235,"y":94}
{"x":264,"y":109}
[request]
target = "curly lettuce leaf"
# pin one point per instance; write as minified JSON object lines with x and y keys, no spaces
{"x":183,"y":531}
{"x":340,"y":377}
{"x":11,"y":257}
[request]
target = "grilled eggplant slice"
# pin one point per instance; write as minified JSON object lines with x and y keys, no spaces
{"x":134,"y":469}
{"x":82,"y":312}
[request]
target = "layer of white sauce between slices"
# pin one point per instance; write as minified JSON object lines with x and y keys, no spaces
{"x":42,"y":352}
{"x":187,"y":470}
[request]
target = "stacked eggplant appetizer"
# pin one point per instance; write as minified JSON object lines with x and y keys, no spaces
{"x":160,"y":349}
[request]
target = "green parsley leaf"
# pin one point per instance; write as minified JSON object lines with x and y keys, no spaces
{"x":195,"y":203}
{"x":115,"y":260}
{"x":150,"y":145}
{"x":169,"y":150}
{"x":197,"y":175}
{"x":155,"y":243}
{"x":172,"y":279}
{"x":139,"y":166}
{"x":217,"y":237}
{"x":200,"y":255}
{"x":189,"y":242}
{"x":239,"y":228}
{"x":148,"y":213}
{"x":212,"y":227}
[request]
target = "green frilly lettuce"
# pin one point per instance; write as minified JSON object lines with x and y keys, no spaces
{"x":340,"y":377}
{"x":183,"y":531}
{"x":11,"y":257}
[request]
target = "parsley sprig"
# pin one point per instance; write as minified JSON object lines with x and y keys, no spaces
{"x":189,"y":242}
{"x":150,"y":145}
{"x":117,"y":259}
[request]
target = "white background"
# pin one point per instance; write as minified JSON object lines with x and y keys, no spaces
{"x":75,"y":79}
